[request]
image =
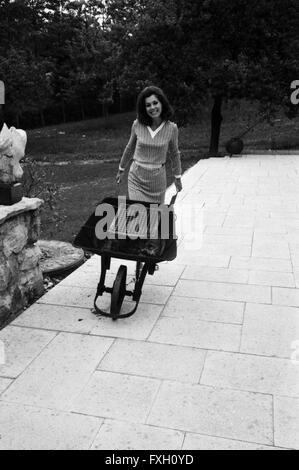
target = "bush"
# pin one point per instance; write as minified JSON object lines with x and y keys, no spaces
{"x":35,"y":184}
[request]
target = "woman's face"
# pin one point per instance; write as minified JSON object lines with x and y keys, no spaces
{"x":153,"y":107}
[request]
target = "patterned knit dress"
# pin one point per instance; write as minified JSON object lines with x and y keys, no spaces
{"x":147,"y":175}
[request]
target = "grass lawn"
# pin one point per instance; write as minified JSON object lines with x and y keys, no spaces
{"x":82,"y":158}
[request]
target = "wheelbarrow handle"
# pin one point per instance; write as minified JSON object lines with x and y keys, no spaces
{"x":173,"y":199}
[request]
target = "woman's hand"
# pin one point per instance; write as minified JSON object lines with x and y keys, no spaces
{"x":119,"y":176}
{"x":178,"y":184}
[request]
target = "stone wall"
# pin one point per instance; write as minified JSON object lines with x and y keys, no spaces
{"x":21,"y":279}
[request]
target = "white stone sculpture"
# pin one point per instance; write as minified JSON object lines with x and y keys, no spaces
{"x":12,"y":149}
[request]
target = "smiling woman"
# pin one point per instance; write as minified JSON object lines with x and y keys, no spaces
{"x":152,"y":135}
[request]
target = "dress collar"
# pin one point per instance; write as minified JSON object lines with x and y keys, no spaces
{"x":154,"y":133}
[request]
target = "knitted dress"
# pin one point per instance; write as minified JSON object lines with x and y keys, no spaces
{"x":148,"y":183}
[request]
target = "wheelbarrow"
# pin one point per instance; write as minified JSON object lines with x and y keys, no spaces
{"x":126,"y":250}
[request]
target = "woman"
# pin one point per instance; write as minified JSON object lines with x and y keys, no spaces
{"x":152,"y":135}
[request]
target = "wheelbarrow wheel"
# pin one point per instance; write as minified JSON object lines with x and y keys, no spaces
{"x":118,"y":292}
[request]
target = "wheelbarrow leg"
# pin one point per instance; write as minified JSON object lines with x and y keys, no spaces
{"x":139,"y":265}
{"x":118,"y":292}
{"x":105,"y":265}
{"x":139,"y":283}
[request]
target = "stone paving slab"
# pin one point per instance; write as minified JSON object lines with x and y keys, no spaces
{"x":21,"y":347}
{"x":274,"y":279}
{"x":261,"y":237}
{"x":152,"y":294}
{"x":138,"y":326}
{"x":274,"y":249}
{"x":237,"y":211}
{"x":232,"y":221}
{"x":243,"y":234}
{"x":228,"y":239}
{"x":261,"y":264}
{"x":291,"y":223}
{"x":197,"y":334}
{"x":267,"y":375}
{"x":286,"y":422}
{"x":191,"y":257}
{"x":288,"y":297}
{"x":167,"y":275}
{"x":94,"y":264}
{"x":58,"y":318}
{"x":84,"y":278}
{"x":117,"y":396}
{"x":287,"y":214}
{"x":216,"y":412}
{"x":294,"y":246}
{"x":69,"y":297}
{"x":84,"y":297}
{"x":266,"y":204}
{"x":4,"y":384}
{"x":270,"y":225}
{"x":296,"y":275}
{"x":204,"y":273}
{"x":201,"y":442}
{"x":158,"y":361}
{"x":129,"y":436}
{"x":58,"y":375}
{"x":210,"y":358}
{"x":218,"y":249}
{"x":223,"y":291}
{"x":30,"y":428}
{"x":213,"y":218}
{"x":218,"y":311}
{"x":270,"y":330}
{"x":295,"y":262}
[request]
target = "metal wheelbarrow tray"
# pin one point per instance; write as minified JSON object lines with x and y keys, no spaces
{"x":87,"y":240}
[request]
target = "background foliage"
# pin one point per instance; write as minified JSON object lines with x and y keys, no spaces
{"x":66,"y":60}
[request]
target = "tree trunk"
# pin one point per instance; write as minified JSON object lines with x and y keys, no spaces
{"x":82,"y":109}
{"x":216,"y":120}
{"x":18,"y":120}
{"x":63,"y":111}
{"x":42,"y":117}
{"x":121,"y":107}
{"x":105,"y":110}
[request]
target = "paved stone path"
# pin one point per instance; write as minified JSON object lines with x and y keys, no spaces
{"x":208,"y":361}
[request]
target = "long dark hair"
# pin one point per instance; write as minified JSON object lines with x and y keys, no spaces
{"x":143,"y":117}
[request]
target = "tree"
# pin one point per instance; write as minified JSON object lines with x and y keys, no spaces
{"x":27,"y":85}
{"x":41,"y":88}
{"x":15,"y":72}
{"x":208,"y":48}
{"x":88,"y":52}
{"x":61,"y":41}
{"x":75,"y":41}
{"x":251,"y":52}
{"x":22,"y":65}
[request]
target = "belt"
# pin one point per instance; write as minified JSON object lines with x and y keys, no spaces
{"x":150,"y":166}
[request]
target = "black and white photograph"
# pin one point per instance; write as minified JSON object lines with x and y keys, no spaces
{"x":149,"y":227}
